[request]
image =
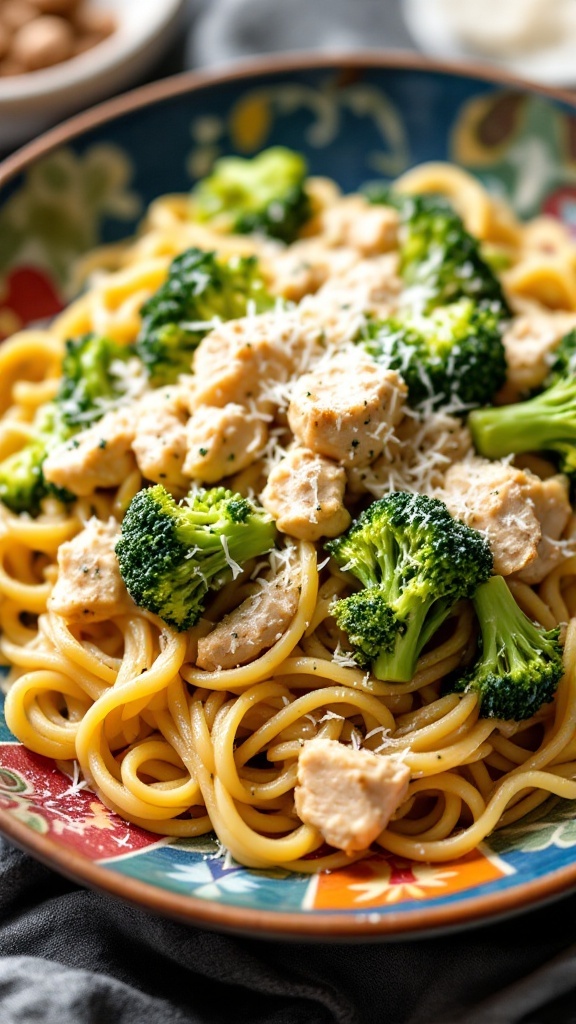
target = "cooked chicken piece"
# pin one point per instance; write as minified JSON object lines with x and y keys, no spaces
{"x":161,"y":442}
{"x":551,"y":502}
{"x":222,"y":441}
{"x":306,"y":265}
{"x":305,"y":495}
{"x":347,"y":407}
{"x":529,"y":343}
{"x":89,"y":587}
{"x":255,"y":625}
{"x":240,"y":359}
{"x":416,"y":457}
{"x":98,"y":457}
{"x":354,"y":222}
{"x":496,"y":499}
{"x":372,"y":285}
{"x":326,"y":323}
{"x":348,"y":795}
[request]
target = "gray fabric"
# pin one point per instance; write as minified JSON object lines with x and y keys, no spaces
{"x":73,"y":956}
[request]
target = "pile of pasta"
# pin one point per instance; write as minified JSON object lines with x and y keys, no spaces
{"x":182,"y":751}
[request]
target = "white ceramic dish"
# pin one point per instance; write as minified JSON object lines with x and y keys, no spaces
{"x":433,"y":35}
{"x":32,"y":102}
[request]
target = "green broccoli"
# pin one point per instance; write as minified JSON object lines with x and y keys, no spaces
{"x":415,"y":562}
{"x":563,"y":365}
{"x":22,"y":483}
{"x":172,"y":555}
{"x":93,"y":380}
{"x":446,"y":339}
{"x":520,"y":663}
{"x":544,"y":423}
{"x":440,"y":261}
{"x":265,"y":194}
{"x":452,"y":356}
{"x":200,"y":291}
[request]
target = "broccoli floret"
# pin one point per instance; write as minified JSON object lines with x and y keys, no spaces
{"x":446,"y":339}
{"x":92,"y":382}
{"x":200,"y":290}
{"x":415,"y":562}
{"x":172,"y":555}
{"x":453,"y":356}
{"x":92,"y":378}
{"x":369,"y":622}
{"x":266,"y":194}
{"x":440,"y":261}
{"x":544,"y":423}
{"x":563,"y":366}
{"x":22,"y":483}
{"x":520,"y":663}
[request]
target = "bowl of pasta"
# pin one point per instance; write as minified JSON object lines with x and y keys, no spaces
{"x":288,"y":542}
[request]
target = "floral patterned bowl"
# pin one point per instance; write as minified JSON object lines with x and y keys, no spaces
{"x":88,"y":181}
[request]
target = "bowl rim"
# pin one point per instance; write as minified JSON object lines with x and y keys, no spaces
{"x":325,"y":926}
{"x":191,"y":81}
{"x":313,"y":925}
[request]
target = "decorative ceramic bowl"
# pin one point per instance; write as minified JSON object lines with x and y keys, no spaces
{"x":354,"y":118}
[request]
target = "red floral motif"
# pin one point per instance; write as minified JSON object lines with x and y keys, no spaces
{"x":562,"y":204}
{"x":26,"y":294}
{"x":35,"y":791}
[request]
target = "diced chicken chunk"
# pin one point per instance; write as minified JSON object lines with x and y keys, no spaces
{"x":496,"y":499}
{"x":255,"y":625}
{"x":305,"y":266}
{"x":161,"y":442}
{"x":98,"y":457}
{"x":416,"y":458}
{"x":346,"y":408}
{"x":305,"y":495}
{"x":348,"y":795}
{"x":326,"y":323}
{"x":529,"y":343}
{"x":222,"y":441}
{"x":551,"y":502}
{"x":238,"y":360}
{"x":372,"y":285}
{"x":353,"y":221}
{"x":89,"y":587}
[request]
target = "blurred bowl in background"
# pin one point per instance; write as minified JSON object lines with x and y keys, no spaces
{"x":518,"y":38}
{"x":31,"y":102}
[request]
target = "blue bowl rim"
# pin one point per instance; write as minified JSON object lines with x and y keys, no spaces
{"x":311,"y":926}
{"x":193,"y":81}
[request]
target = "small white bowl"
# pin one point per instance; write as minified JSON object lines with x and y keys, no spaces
{"x":434,"y":36}
{"x":31,"y":102}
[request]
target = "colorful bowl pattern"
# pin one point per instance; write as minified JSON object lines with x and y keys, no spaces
{"x":89,"y":182}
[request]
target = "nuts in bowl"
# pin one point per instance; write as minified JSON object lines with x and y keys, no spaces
{"x":36,"y":34}
{"x":58,"y":57}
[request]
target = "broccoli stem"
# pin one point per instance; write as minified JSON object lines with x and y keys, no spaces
{"x":419,"y":626}
{"x":397,"y":665}
{"x":519,"y":663}
{"x":509,"y":637}
{"x":538,"y":424}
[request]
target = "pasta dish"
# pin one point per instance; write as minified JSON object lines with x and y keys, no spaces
{"x":288,"y":545}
